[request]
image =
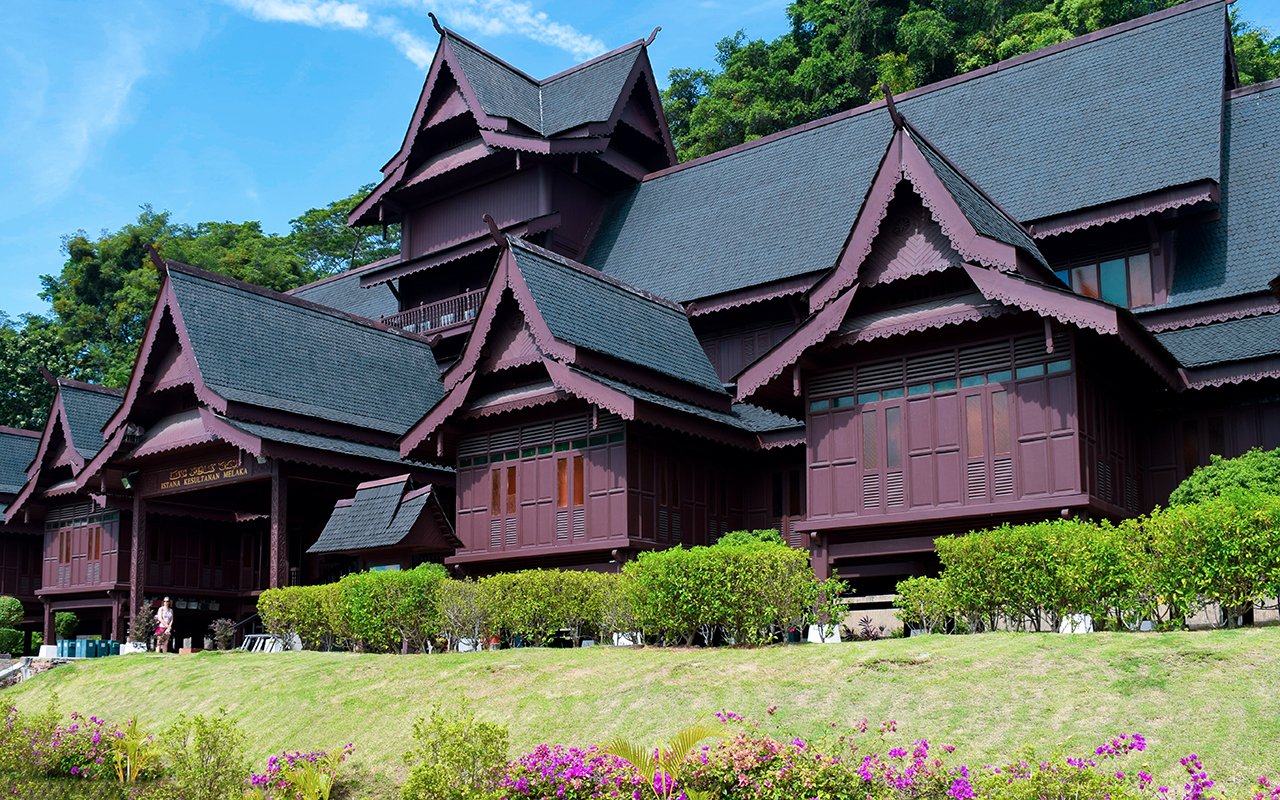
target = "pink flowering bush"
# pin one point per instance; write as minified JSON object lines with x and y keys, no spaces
{"x":569,"y":773}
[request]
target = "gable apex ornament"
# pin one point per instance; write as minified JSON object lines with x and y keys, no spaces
{"x":899,"y":121}
{"x":499,"y":237}
{"x":436,"y":23}
{"x":652,"y":36}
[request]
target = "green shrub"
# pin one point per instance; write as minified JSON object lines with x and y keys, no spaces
{"x":204,"y":758}
{"x":12,"y":641}
{"x":616,"y":609}
{"x":142,"y":625}
{"x":455,"y":756}
{"x":1256,"y":471}
{"x":291,"y":611}
{"x":925,"y":604}
{"x":65,"y":624}
{"x":734,"y":538}
{"x":464,"y":614}
{"x":11,"y":612}
{"x":224,"y":632}
{"x":1225,"y":551}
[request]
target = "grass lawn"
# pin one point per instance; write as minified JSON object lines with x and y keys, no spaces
{"x":1212,"y":693}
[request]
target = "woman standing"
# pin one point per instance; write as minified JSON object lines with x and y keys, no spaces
{"x":164,"y":627}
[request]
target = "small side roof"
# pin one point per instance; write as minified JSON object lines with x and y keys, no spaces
{"x":17,"y":450}
{"x":382,"y":514}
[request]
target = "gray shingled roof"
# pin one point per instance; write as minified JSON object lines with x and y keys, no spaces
{"x":1086,"y":125}
{"x":588,"y":310}
{"x":312,"y":441}
{"x":743,"y":416}
{"x":345,"y":294}
{"x":87,"y":413}
{"x":378,"y":516}
{"x":304,"y":360}
{"x":1220,"y":342}
{"x":16,"y":454}
{"x":986,"y":218}
{"x":1207,"y":269}
{"x":587,"y":94}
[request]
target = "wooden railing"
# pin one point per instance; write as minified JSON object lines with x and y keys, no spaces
{"x":444,"y":313}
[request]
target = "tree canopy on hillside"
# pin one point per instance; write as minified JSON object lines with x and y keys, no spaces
{"x":103,"y":294}
{"x":837,"y":53}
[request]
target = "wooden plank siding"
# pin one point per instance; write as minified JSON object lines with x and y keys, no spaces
{"x":970,"y":428}
{"x":82,"y":549}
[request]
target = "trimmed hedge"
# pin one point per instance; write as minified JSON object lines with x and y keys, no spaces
{"x":1164,"y":566}
{"x":749,"y":594}
{"x":1256,"y":471}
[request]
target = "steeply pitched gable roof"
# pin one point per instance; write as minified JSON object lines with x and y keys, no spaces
{"x":588,"y":93}
{"x":1239,"y":253}
{"x":17,"y":449}
{"x":269,"y":350}
{"x":88,"y":409}
{"x":588,"y":309}
{"x":1076,"y":126}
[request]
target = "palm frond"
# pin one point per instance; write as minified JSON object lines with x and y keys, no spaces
{"x":638,"y":756}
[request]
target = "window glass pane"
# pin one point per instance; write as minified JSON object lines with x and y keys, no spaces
{"x":1001,"y":436}
{"x":1084,"y":280}
{"x":512,"y":455}
{"x":1064,"y":275}
{"x":562,"y":482}
{"x":544,"y":450}
{"x":870,"y":441}
{"x":528,"y":452}
{"x":480,"y":460}
{"x":1140,"y":291}
{"x":893,"y":437}
{"x":973,"y":380}
{"x":843,"y":402}
{"x":1059,"y":366}
{"x":511,"y":490}
{"x":578,"y":444}
{"x":579,"y":481}
{"x":868,"y":397}
{"x":999,"y":377}
{"x":1033,"y":371}
{"x":944,"y":386}
{"x":615,"y":437}
{"x":891,"y":394}
{"x":561,"y":446}
{"x":918,"y":389}
{"x":974,"y":439}
{"x":1115,"y":282}
{"x":464,"y":462}
{"x":819,"y":405}
{"x":598,"y":440}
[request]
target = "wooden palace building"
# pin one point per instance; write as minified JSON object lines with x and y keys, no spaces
{"x":1047,"y":287}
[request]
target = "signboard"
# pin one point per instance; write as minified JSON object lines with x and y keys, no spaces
{"x":211,"y":472}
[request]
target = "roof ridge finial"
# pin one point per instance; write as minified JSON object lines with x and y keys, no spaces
{"x":439,"y":28}
{"x":899,"y":121}
{"x":652,"y":36}
{"x":498,"y":236}
{"x":156,"y":259}
{"x":49,"y":377}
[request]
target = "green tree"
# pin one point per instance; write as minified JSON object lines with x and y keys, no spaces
{"x":27,"y":345}
{"x":328,"y":245}
{"x":837,"y":53}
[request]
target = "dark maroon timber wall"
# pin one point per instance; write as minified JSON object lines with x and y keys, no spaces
{"x":457,"y":218}
{"x":969,"y":427}
{"x":190,"y":555}
{"x":81,"y":548}
{"x":732,"y":350}
{"x":1109,"y":437}
{"x":20,"y":565}
{"x":1226,"y":421}
{"x":547,"y":484}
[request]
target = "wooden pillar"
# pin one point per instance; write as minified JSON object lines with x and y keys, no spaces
{"x":278,"y":572}
{"x":117,"y":617}
{"x":818,"y":555}
{"x":138,"y":557}
{"x":50,"y":635}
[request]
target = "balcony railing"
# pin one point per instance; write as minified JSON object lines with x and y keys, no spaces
{"x":441,"y":314}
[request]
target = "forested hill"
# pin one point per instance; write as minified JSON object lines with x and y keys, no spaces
{"x":838,"y":52}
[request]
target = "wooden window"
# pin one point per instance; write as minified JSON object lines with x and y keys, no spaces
{"x":562,"y":483}
{"x":975,"y":440}
{"x":1084,"y":281}
{"x":870,"y":441}
{"x":495,"y":499}
{"x":511,"y":490}
{"x":893,"y":437}
{"x":1122,"y":281}
{"x":579,"y":481}
{"x":1001,"y":434}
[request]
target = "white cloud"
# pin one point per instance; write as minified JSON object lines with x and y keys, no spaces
{"x":495,"y":17}
{"x":62,"y":124}
{"x":410,"y":46}
{"x":323,"y":14}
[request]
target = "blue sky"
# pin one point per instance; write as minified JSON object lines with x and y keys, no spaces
{"x":261,"y":109}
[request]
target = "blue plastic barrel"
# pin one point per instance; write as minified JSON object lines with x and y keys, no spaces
{"x":62,"y":648}
{"x":114,"y":648}
{"x":82,"y":648}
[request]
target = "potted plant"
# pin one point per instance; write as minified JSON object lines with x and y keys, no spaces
{"x":827,"y":611}
{"x":141,"y":626}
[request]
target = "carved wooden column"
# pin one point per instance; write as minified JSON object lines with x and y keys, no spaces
{"x":50,"y":635}
{"x":138,"y":556}
{"x":279,"y":569}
